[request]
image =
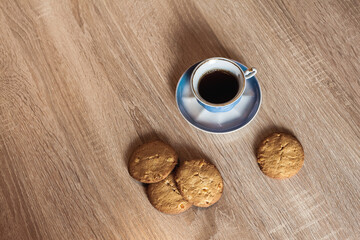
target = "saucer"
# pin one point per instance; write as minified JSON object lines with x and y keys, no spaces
{"x":219,"y":122}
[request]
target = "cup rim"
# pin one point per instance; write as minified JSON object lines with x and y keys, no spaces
{"x":236,"y":97}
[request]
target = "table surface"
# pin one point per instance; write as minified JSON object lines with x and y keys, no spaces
{"x":84,"y":82}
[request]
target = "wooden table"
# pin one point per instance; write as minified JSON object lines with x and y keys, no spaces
{"x":84,"y":82}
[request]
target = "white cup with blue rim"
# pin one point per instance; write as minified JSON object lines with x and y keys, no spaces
{"x":219,"y":64}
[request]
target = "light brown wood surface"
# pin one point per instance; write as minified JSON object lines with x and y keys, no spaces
{"x":84,"y":82}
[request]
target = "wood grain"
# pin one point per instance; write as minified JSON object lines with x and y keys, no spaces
{"x":84,"y":82}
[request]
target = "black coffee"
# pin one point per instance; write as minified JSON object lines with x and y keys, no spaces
{"x":218,"y":87}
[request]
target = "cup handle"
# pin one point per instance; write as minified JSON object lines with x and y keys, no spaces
{"x":250,"y":72}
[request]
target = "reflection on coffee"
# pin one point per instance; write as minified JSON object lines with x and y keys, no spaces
{"x":218,"y":86}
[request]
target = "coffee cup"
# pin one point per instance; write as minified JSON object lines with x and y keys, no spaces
{"x":218,"y":83}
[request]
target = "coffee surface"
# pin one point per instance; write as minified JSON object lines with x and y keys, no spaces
{"x":218,"y":87}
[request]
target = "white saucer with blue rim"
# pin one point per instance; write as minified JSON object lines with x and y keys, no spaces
{"x":218,"y":122}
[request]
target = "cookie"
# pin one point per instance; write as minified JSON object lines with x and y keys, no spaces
{"x":152,"y":162}
{"x":199,"y":182}
{"x":280,"y":156}
{"x":165,"y":196}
